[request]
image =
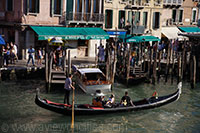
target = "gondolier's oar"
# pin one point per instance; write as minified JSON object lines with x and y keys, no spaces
{"x":72,"y":124}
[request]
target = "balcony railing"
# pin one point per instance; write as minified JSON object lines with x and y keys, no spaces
{"x":85,"y":17}
{"x":173,"y":2}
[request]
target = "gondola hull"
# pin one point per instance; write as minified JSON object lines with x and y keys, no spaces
{"x":85,"y":109}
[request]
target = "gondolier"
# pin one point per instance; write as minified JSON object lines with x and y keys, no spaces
{"x":68,"y":87}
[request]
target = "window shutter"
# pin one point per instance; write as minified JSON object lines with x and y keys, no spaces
{"x":154,"y":17}
{"x":52,"y":8}
{"x":61,"y":7}
{"x":144,"y":18}
{"x":158,"y":20}
{"x":119,"y":23}
{"x":111,"y":19}
{"x":37,"y":6}
{"x":106,"y":15}
{"x":27,"y":7}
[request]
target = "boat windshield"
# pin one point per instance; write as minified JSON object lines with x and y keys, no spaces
{"x":95,"y":76}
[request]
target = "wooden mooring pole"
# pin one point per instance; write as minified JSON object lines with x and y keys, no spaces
{"x":114,"y":65}
{"x":69,"y":63}
{"x":128,"y":64}
{"x":179,"y":69}
{"x":168,"y":60}
{"x":108,"y":66}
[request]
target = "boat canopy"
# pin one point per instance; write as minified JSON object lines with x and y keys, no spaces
{"x":89,"y":70}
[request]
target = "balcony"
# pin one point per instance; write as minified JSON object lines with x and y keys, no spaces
{"x":79,"y":17}
{"x":137,"y":4}
{"x":157,"y":2}
{"x":172,"y":2}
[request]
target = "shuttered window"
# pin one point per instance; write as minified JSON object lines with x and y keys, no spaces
{"x":156,"y":20}
{"x":145,"y":19}
{"x":108,"y":18}
{"x":194,"y":13}
{"x":9,"y":5}
{"x":56,"y":7}
{"x":180,"y":16}
{"x":121,"y":22}
{"x":33,"y":6}
{"x":174,"y":12}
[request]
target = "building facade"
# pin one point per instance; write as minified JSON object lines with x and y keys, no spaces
{"x":16,"y":17}
{"x":191,"y":13}
{"x":147,"y":13}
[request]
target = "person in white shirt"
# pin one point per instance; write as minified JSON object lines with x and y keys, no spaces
{"x":15,"y":51}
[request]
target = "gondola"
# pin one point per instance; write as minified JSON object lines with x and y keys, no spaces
{"x":87,"y":109}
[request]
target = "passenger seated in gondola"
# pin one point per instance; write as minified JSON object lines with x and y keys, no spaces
{"x":126,"y":100}
{"x":111,"y":101}
{"x":99,"y":100}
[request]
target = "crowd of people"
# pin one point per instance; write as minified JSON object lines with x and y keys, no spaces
{"x":110,"y":102}
{"x":9,"y":54}
{"x":57,"y":58}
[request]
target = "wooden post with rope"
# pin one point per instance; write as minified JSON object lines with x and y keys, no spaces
{"x":72,"y":124}
{"x":69,"y":63}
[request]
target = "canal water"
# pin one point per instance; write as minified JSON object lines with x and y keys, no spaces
{"x":19,"y":113}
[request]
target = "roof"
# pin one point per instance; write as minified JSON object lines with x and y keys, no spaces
{"x":73,"y":33}
{"x":89,"y":70}
{"x":2,"y":40}
{"x":172,"y":33}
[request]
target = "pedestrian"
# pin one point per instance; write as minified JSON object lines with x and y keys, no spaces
{"x":39,"y":52}
{"x":101,"y":54}
{"x":30,"y":52}
{"x":15,"y":52}
{"x":58,"y":59}
{"x":68,"y":87}
{"x":5,"y":57}
{"x":12,"y":54}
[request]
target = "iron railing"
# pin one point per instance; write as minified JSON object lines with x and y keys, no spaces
{"x":87,"y":17}
{"x":172,"y":2}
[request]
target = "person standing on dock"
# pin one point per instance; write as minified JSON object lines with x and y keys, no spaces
{"x":68,"y":87}
{"x":30,"y":52}
{"x":101,"y":53}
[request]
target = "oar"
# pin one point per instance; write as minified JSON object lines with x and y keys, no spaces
{"x":72,"y":124}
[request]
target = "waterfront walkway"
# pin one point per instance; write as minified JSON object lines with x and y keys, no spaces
{"x":21,"y":64}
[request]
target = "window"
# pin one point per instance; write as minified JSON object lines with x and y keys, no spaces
{"x":174,"y":15}
{"x":121,"y":23}
{"x":137,"y":17}
{"x":194,"y":13}
{"x":199,"y":14}
{"x":33,"y":6}
{"x":96,"y":6}
{"x":57,"y":7}
{"x":145,"y":19}
{"x":156,"y":20}
{"x":108,"y":19}
{"x":180,"y":16}
{"x":9,"y":5}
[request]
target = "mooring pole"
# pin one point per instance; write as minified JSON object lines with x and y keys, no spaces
{"x":69,"y":63}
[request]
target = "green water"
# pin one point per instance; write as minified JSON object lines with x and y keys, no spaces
{"x":19,"y":113}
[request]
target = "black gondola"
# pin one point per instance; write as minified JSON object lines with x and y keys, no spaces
{"x":86,"y":109}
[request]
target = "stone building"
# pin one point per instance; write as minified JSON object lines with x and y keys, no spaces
{"x":17,"y":17}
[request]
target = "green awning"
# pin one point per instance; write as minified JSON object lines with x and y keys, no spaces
{"x":137,"y":39}
{"x":189,"y":29}
{"x":74,"y":33}
{"x":150,"y":38}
